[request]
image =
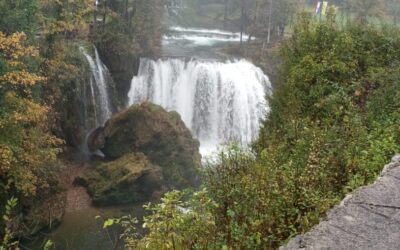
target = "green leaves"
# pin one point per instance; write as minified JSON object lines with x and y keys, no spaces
{"x":8,"y":240}
{"x":11,"y":204}
{"x":48,"y":245}
{"x":183,"y":220}
{"x":333,"y":126}
{"x":108,"y":223}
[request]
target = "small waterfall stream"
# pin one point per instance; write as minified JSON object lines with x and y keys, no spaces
{"x":95,"y":95}
{"x":219,"y":101}
{"x":99,"y":90}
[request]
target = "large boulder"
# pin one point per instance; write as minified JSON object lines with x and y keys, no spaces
{"x":160,"y":135}
{"x":131,"y":178}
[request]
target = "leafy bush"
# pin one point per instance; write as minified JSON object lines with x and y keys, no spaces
{"x":333,"y":125}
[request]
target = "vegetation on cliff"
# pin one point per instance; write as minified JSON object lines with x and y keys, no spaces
{"x":40,"y":69}
{"x":27,"y":148}
{"x":333,"y":122}
{"x":332,"y":127}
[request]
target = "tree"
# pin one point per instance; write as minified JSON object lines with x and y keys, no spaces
{"x":67,"y":18}
{"x":268,"y":19}
{"x":26,"y":146}
{"x":393,"y":9}
{"x":332,"y":125}
{"x":364,"y":9}
{"x":18,"y":15}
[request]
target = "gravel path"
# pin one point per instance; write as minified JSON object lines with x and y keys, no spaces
{"x":77,"y":197}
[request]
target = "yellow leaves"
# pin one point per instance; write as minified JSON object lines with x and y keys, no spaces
{"x":33,"y":113}
{"x":26,"y":182}
{"x":20,"y":78}
{"x":72,"y":18}
{"x":6,"y":158}
{"x":26,"y":146}
{"x":58,"y":27}
{"x":14,"y":48}
{"x":57,"y":68}
{"x":25,"y":111}
{"x":49,"y":3}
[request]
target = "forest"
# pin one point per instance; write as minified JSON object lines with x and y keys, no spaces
{"x":331,"y":125}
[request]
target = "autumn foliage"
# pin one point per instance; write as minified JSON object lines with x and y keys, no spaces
{"x":26,"y":146}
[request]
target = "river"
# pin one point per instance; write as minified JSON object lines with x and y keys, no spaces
{"x":219,"y":97}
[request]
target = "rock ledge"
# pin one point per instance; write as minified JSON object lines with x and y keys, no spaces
{"x":369,"y":218}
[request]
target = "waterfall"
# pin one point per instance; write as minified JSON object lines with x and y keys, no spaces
{"x":203,"y":37}
{"x":219,"y":101}
{"x":97,"y":102}
{"x":94,"y":96}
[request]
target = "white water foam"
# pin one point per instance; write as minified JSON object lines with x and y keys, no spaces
{"x":220,"y":102}
{"x":203,"y":37}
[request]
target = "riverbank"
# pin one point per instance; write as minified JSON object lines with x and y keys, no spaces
{"x":81,"y":224}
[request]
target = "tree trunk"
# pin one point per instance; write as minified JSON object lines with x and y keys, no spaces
{"x":269,"y":22}
{"x":226,"y":10}
{"x":126,"y":11}
{"x":249,"y":38}
{"x":95,"y":13}
{"x":241,"y":22}
{"x":104,"y":13}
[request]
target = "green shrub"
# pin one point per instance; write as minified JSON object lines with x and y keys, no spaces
{"x":333,"y":125}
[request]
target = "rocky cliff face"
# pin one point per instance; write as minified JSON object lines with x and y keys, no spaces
{"x":369,"y":218}
{"x":122,"y":66}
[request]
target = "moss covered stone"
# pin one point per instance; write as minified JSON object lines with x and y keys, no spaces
{"x":160,"y":135}
{"x":130,"y":178}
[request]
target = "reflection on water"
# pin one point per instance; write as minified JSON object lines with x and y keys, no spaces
{"x":81,"y":230}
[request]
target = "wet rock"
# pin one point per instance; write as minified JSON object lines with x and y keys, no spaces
{"x":131,"y":178}
{"x":369,"y":218}
{"x":122,"y":60}
{"x":96,"y":139}
{"x":160,"y":135}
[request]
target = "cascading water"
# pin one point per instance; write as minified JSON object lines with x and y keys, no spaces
{"x":201,"y":37}
{"x":99,"y":88}
{"x":97,"y":108}
{"x":219,"y":101}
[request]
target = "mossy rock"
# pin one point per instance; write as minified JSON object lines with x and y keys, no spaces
{"x":129,"y":179}
{"x":162,"y":136}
